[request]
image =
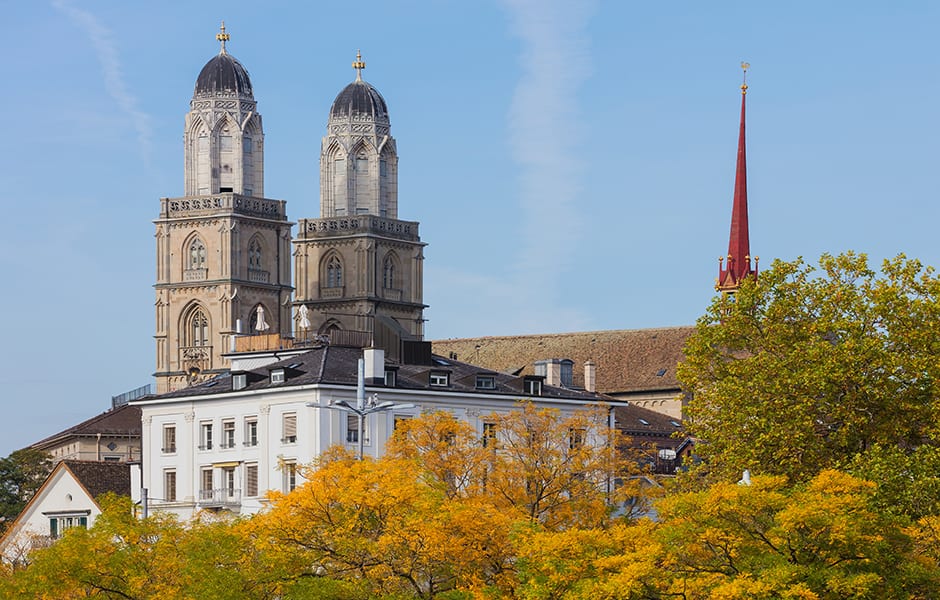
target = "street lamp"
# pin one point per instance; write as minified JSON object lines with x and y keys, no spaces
{"x":363,"y":408}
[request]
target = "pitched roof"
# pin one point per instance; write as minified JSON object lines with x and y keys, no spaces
{"x":627,"y":360}
{"x":338,"y":365}
{"x":123,"y":420}
{"x":642,"y":423}
{"x":101,"y":477}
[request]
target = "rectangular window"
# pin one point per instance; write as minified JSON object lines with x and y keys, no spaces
{"x":533,"y":387}
{"x":251,"y":431}
{"x":169,"y":439}
{"x":383,"y":168}
{"x":58,"y":525}
{"x":239,"y":381}
{"x":169,"y":486}
{"x":225,"y":143}
{"x":205,"y":439}
{"x":289,"y":428}
{"x":246,"y":145}
{"x":575,"y":438}
{"x":228,"y":479}
{"x":277,"y":376}
{"x":486,"y":382}
{"x":439,"y":378}
{"x":289,"y":470}
{"x":205,"y":483}
{"x":391,"y":377}
{"x":489,"y":434}
{"x":352,"y":428}
{"x":251,"y":480}
{"x":228,"y":434}
{"x":400,"y":420}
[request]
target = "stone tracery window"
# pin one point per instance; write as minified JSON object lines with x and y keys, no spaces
{"x":197,"y":328}
{"x":197,"y":254}
{"x":388,"y":273}
{"x":334,"y":272}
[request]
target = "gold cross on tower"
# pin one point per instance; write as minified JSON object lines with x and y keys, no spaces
{"x":745,"y":66}
{"x":222,"y":37}
{"x":358,"y":65}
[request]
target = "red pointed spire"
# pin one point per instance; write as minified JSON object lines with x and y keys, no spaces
{"x":738,"y":265}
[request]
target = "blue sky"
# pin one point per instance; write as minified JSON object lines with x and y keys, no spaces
{"x":571,"y":164}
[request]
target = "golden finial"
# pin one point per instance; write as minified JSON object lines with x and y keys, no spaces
{"x":222,"y":37}
{"x":745,"y":66}
{"x":358,"y":65}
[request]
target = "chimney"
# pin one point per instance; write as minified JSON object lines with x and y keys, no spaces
{"x":375,"y":365}
{"x":590,"y":376}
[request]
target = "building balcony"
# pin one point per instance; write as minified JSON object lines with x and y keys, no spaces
{"x":258,"y":276}
{"x":195,"y":274}
{"x":220,"y":498}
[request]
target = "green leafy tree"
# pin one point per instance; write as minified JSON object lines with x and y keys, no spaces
{"x":21,"y":474}
{"x":804,"y":369}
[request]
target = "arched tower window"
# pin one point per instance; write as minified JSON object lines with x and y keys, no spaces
{"x":388,"y":272}
{"x":197,"y":329}
{"x":197,"y":254}
{"x":334,"y":272}
{"x":254,"y":254}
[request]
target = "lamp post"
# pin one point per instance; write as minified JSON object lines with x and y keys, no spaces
{"x":363,"y":407}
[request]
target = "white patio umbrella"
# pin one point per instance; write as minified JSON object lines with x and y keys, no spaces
{"x":304,"y":320}
{"x":261,"y":326}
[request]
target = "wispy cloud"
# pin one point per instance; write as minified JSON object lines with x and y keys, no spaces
{"x":544,"y":123}
{"x":102,"y":39}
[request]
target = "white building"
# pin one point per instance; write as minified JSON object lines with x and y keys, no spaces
{"x":68,"y":498}
{"x":221,"y":444}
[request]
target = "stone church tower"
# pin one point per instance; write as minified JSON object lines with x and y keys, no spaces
{"x":358,"y":268}
{"x":223,"y":250}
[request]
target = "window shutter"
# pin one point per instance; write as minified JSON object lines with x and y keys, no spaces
{"x":83,"y":522}
{"x":251,"y":480}
{"x":290,"y":428}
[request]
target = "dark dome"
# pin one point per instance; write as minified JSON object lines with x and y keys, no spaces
{"x":223,"y":74}
{"x":360,"y":98}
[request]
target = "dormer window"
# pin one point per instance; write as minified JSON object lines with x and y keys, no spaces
{"x":239,"y":381}
{"x":532,"y":386}
{"x":439,"y":379}
{"x":486,"y":382}
{"x":277,"y":376}
{"x":391,"y":377}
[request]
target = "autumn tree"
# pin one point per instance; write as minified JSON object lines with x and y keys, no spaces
{"x":561,"y":470}
{"x":21,"y":474}
{"x":806,"y":368}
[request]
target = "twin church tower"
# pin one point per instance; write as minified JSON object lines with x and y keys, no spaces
{"x":224,"y":250}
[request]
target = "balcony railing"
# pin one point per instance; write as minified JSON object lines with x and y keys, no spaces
{"x":258,"y":276}
{"x":220,"y":497}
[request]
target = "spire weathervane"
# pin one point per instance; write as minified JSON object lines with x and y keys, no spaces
{"x":745,"y":66}
{"x":358,"y":65}
{"x":222,"y":37}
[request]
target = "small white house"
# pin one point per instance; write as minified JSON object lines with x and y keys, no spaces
{"x":66,"y":499}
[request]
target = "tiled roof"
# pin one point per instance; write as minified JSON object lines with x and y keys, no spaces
{"x":101,"y":477}
{"x":338,"y":365}
{"x":123,"y":420}
{"x":643,"y":424}
{"x":627,"y":360}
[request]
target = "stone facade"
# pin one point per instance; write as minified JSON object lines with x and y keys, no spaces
{"x":223,"y":250}
{"x":359,"y":268}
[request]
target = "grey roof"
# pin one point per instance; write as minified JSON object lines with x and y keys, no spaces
{"x":223,"y":74}
{"x":338,"y":365}
{"x":123,"y":421}
{"x":101,"y":477}
{"x":360,"y":99}
{"x":644,"y":424}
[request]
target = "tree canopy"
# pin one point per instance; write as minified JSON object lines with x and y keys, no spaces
{"x":21,"y":474}
{"x":806,"y":368}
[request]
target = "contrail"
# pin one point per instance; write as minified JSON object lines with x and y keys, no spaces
{"x":106,"y":50}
